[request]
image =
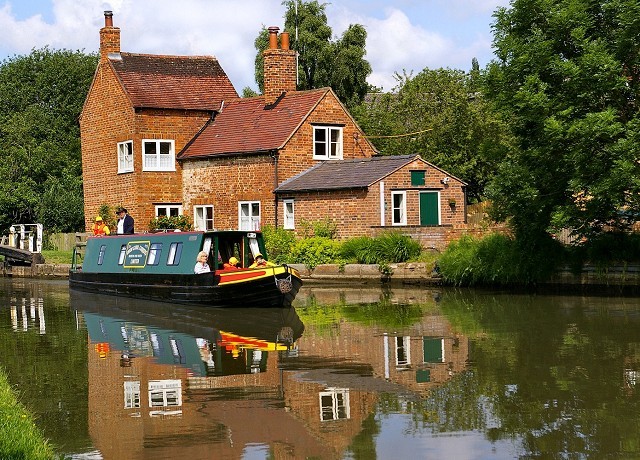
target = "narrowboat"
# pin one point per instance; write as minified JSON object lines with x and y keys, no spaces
{"x":160,"y":266}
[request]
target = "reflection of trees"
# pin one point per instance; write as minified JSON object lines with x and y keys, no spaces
{"x":60,"y":351}
{"x":363,"y":445}
{"x":545,"y":372}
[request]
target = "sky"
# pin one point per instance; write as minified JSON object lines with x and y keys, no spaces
{"x":402,"y":35}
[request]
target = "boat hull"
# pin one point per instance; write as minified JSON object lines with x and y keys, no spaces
{"x":269,"y":287}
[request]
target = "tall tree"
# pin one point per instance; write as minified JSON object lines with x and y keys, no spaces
{"x":567,"y":79}
{"x":339,"y":64}
{"x":41,"y":96}
{"x":441,"y":115}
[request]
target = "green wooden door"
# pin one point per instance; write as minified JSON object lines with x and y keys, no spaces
{"x":429,"y":208}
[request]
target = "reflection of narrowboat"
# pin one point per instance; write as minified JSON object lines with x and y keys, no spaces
{"x":208,"y":341}
{"x":160,"y":266}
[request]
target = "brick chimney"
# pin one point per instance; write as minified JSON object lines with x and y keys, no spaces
{"x":109,"y":37}
{"x":279,"y":67}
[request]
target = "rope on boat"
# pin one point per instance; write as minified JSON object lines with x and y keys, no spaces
{"x":284,"y":285}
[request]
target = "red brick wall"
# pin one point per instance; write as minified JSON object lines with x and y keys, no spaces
{"x":297,"y":156}
{"x":107,"y":119}
{"x":226,"y":181}
{"x":357,"y":212}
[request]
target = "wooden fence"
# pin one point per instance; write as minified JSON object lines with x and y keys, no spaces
{"x":66,"y":241}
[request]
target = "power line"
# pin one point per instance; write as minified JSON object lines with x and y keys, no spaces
{"x":399,"y":135}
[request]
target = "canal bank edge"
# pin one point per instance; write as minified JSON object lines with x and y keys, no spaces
{"x":617,"y":279}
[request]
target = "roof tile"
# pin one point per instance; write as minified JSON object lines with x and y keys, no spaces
{"x":247,"y":126}
{"x":173,"y":82}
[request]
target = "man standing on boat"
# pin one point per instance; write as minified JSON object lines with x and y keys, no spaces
{"x":125,"y":222}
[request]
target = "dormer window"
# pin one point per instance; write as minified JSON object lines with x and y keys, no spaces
{"x":158,"y":155}
{"x":327,"y":143}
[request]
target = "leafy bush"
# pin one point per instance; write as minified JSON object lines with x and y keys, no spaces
{"x":315,"y":251}
{"x":358,"y":250}
{"x":498,"y":259}
{"x":388,"y":247}
{"x":170,"y":223}
{"x":323,"y":228}
{"x":278,"y":242}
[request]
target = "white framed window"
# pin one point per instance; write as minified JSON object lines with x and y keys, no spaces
{"x":403,"y":351}
{"x":289,"y":221}
{"x":131,"y":395}
{"x":249,"y":215}
{"x":165,"y":393}
{"x":203,"y":217}
{"x":399,"y":208}
{"x":334,"y":404}
{"x":125,"y":157}
{"x":327,"y":142}
{"x":158,"y":155}
{"x":170,"y":210}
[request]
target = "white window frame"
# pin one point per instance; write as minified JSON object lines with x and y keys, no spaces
{"x":339,"y":407}
{"x":125,"y":157}
{"x":167,"y":209}
{"x":403,"y":351}
{"x":132,"y":394}
{"x":402,"y":208}
{"x":165,"y":393}
{"x":289,"y":222}
{"x":203,"y":217}
{"x":152,"y":162}
{"x":326,"y":145}
{"x":250,"y":221}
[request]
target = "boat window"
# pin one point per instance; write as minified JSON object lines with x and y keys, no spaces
{"x":123,"y":249}
{"x":175,"y":251}
{"x":103,"y":248}
{"x":154,"y":254}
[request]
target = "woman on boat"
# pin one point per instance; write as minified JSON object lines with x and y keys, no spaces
{"x":100,"y":228}
{"x":201,"y":265}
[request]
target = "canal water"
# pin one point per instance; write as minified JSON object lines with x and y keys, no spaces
{"x":347,"y":374}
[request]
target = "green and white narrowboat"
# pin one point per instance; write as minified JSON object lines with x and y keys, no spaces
{"x":160,"y":266}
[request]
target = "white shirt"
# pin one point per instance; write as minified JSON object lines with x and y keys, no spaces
{"x":120,"y":229}
{"x":201,"y":268}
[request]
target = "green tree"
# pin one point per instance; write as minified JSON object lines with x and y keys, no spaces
{"x":339,"y":64}
{"x":442,"y":115}
{"x":41,"y":96}
{"x":567,"y":79}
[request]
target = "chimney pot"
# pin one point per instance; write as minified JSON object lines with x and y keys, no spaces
{"x":273,"y":37}
{"x":284,"y":40}
{"x":108,"y":18}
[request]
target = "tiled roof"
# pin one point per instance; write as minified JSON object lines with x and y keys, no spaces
{"x":345,"y":174}
{"x":246,"y":126}
{"x":173,"y":82}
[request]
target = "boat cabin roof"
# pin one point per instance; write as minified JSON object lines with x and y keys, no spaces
{"x":169,"y":252}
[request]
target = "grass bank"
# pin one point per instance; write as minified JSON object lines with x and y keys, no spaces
{"x":20,"y":438}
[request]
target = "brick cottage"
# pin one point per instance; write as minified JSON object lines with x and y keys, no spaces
{"x":168,"y":135}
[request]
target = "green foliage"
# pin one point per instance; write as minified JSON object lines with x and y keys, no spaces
{"x":170,"y":223}
{"x":568,"y":85}
{"x":339,"y":64}
{"x":498,"y":260}
{"x":278,"y":242}
{"x":41,"y":96}
{"x":605,"y":250}
{"x":315,"y":251}
{"x":324,"y":228}
{"x":19,"y":436}
{"x":108,"y":216}
{"x":388,"y":247}
{"x":442,"y":115}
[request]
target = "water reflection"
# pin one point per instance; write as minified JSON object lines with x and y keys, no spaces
{"x":347,"y":373}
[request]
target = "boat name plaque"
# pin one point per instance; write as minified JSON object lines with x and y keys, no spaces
{"x":136,"y":254}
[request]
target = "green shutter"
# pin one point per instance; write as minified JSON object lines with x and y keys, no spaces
{"x":423,"y":376}
{"x":417,"y":177}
